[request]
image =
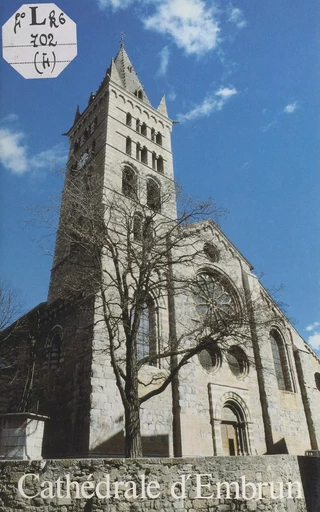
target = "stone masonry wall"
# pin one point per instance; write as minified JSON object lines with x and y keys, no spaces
{"x":66,"y":390}
{"x":308,"y":367}
{"x":165,"y":472}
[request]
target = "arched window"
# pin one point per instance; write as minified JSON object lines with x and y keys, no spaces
{"x":146,"y":335}
{"x":75,"y":246}
{"x":138,"y":150}
{"x":153,"y":195}
{"x":153,"y":134}
{"x":148,"y":229}
{"x":129,"y":183}
{"x":144,"y":155}
{"x":144,"y":129}
{"x":93,"y":125}
{"x":142,"y":230}
{"x":280,"y":361}
{"x":160,"y":164}
{"x":74,"y":165}
{"x":154,"y":160}
{"x":129,"y":119}
{"x":128,"y":145}
{"x":159,"y":138}
{"x":54,"y":352}
{"x":139,"y":94}
{"x":137,"y":227}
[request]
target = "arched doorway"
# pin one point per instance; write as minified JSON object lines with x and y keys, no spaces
{"x":233,"y":430}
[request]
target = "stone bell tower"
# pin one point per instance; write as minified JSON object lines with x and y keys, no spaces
{"x":118,"y":132}
{"x":120,"y":145}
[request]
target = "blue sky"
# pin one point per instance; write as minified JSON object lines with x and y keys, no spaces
{"x":242,"y":78}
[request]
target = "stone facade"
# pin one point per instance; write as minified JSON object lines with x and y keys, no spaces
{"x":258,"y":393}
{"x":297,"y":476}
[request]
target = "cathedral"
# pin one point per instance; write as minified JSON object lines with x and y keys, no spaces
{"x":145,"y":296}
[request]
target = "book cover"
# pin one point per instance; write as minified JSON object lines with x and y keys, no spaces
{"x":177,"y":329}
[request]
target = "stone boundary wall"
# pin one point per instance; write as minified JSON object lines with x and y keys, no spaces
{"x":150,"y":484}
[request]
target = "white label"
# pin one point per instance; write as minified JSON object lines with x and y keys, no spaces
{"x":39,"y":40}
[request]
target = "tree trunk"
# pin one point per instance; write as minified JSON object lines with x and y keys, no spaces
{"x":175,"y":386}
{"x":132,"y":428}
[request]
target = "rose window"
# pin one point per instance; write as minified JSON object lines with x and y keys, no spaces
{"x":214,"y":301}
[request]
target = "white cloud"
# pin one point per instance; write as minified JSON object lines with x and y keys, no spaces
{"x":164,"y":60}
{"x":288,"y":109}
{"x":9,"y":118}
{"x":15,"y":154}
{"x":292,"y":107}
{"x":211,"y":103}
{"x":235,"y":16}
{"x":190,"y":23}
{"x":268,"y":126}
{"x":13,"y":151}
{"x":226,"y":92}
{"x":314,"y":341}
{"x":49,"y":158}
{"x":311,"y":327}
{"x":114,"y":4}
{"x":314,"y":338}
{"x":171,"y":95}
{"x":193,"y":25}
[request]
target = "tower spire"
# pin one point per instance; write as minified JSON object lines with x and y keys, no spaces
{"x":129,"y":78}
{"x":162,"y":108}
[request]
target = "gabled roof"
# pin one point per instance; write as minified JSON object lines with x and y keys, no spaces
{"x":128,"y":76}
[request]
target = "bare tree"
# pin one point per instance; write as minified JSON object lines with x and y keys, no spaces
{"x":10,"y":305}
{"x":124,"y":251}
{"x":17,"y":351}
